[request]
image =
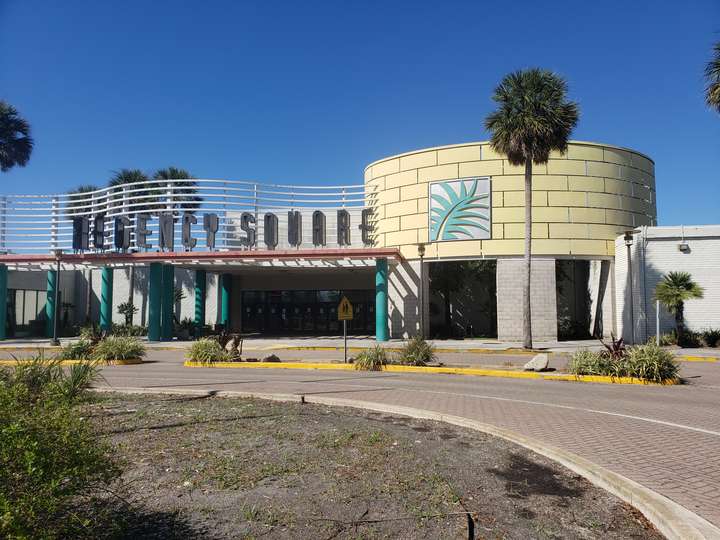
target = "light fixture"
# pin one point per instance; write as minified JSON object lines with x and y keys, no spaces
{"x":628,"y":238}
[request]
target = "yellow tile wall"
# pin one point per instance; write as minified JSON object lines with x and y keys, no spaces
{"x":581,"y":200}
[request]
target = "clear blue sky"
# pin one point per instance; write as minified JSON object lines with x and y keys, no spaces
{"x":310,"y":92}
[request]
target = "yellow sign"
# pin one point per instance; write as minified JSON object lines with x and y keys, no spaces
{"x":345,"y":310}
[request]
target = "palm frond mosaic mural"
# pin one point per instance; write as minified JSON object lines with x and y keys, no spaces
{"x":460,"y":209}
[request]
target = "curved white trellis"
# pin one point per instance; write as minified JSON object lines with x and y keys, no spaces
{"x":42,"y":223}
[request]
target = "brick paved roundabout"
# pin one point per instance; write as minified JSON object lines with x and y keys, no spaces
{"x":664,"y":438}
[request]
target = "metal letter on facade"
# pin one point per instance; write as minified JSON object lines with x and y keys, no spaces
{"x":294,"y":228}
{"x":270,"y":230}
{"x":81,"y":233}
{"x":167,"y":231}
{"x":343,"y":228}
{"x":188,"y":242}
{"x":365,"y":226}
{"x":122,"y":233}
{"x":247,"y":220}
{"x":99,"y":232}
{"x":141,"y":231}
{"x":318,"y":228}
{"x":210,"y":226}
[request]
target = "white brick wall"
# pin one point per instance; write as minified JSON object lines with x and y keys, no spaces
{"x":654,"y":253}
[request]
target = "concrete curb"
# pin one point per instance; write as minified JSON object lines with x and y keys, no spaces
{"x":673,"y":520}
{"x":478,"y":372}
{"x":100,"y":363}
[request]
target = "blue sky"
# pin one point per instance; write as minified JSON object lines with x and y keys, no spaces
{"x":311,"y":92}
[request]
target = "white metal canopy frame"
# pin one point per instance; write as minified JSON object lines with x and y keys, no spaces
{"x":46,"y":223}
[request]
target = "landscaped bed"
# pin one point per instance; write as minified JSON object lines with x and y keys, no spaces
{"x":240,"y":468}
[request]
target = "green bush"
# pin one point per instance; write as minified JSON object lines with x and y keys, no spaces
{"x":118,"y":348}
{"x":647,"y":362}
{"x":50,"y":457}
{"x":711,"y":337}
{"x":651,"y":363}
{"x":371,"y":359}
{"x":691,"y":339}
{"x":417,"y":352}
{"x":132,"y":330}
{"x":80,"y":350}
{"x":207,"y":350}
{"x":667,"y":339}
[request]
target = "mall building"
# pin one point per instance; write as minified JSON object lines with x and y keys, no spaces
{"x":432,"y":238}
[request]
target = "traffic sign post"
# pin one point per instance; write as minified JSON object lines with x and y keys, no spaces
{"x":345,"y":314}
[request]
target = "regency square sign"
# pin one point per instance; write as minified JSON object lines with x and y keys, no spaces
{"x":127,"y":236}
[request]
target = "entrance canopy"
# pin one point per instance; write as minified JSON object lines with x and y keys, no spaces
{"x":219,"y":261}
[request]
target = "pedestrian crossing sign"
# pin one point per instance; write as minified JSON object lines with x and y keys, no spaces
{"x":345,"y":310}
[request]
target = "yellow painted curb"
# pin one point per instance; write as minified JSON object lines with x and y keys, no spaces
{"x":73,"y":362}
{"x":479,"y":372}
{"x":521,"y":352}
{"x":685,"y":358}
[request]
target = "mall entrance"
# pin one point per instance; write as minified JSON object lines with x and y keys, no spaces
{"x":306,"y":312}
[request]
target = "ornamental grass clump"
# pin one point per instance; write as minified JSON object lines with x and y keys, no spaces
{"x":207,"y":351}
{"x":371,"y":359}
{"x":114,"y":348}
{"x":651,"y":363}
{"x":417,"y":352}
{"x":711,"y":337}
{"x":80,"y":350}
{"x":645,"y":362}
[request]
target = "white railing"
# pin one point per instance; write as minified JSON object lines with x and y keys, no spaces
{"x":42,"y":223}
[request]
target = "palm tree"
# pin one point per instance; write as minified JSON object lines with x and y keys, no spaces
{"x":673,"y":290}
{"x":16,"y":144}
{"x":184,"y":193}
{"x":712,"y":76}
{"x":78,"y":198}
{"x":533,"y":118}
{"x":148,"y":197}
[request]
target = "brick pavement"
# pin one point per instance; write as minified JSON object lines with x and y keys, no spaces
{"x":665,"y":438}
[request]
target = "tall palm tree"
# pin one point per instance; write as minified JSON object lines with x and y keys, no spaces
{"x":673,"y":290}
{"x":533,"y":118}
{"x":712,"y":76}
{"x":184,"y":193}
{"x":16,"y":144}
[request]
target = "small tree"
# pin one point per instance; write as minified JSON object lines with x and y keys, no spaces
{"x":674,"y":289}
{"x":127,"y":310}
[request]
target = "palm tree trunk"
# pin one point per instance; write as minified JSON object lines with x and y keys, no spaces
{"x":680,"y":323}
{"x":527,"y":321}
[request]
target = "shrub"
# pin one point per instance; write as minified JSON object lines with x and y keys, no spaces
{"x":586,"y":362}
{"x":651,"y":363}
{"x":132,"y":330}
{"x":417,"y":352}
{"x":91,"y":333}
{"x":647,"y":362}
{"x":50,"y":458}
{"x":668,"y":339}
{"x":118,"y":348}
{"x":711,"y":337}
{"x":207,"y":350}
{"x":371,"y":359}
{"x":80,"y":350}
{"x":127,"y":310}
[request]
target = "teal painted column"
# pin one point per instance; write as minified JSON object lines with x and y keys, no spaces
{"x":226,"y":291}
{"x":381,"y":300}
{"x":154,"y":301}
{"x":200,"y":291}
{"x":50,"y":302}
{"x":168,"y":297}
{"x":3,"y":301}
{"x":106,"y":299}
